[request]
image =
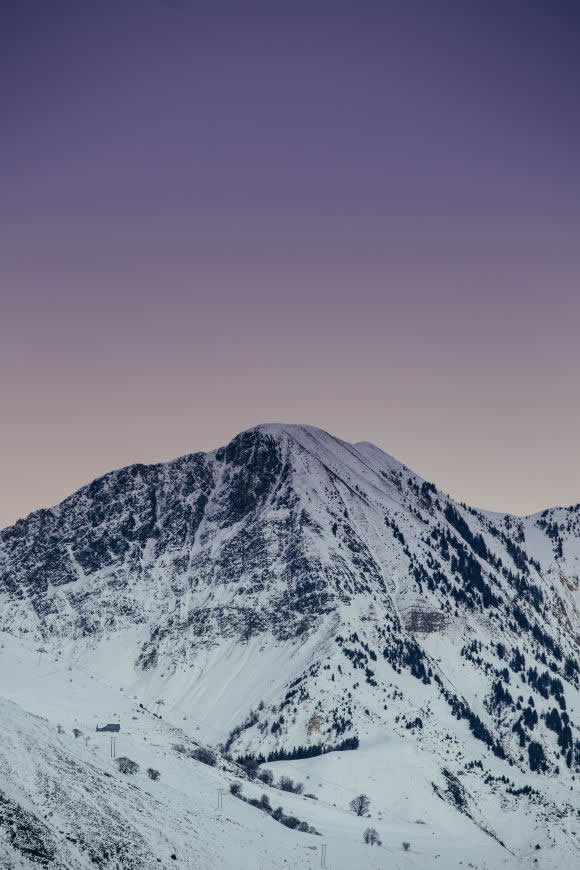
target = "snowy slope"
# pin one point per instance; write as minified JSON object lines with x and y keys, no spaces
{"x":293,"y":591}
{"x":64,"y":804}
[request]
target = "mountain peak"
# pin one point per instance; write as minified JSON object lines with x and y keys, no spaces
{"x":294,"y":593}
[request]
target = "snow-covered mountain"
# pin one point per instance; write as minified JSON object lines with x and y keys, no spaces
{"x":290,"y":594}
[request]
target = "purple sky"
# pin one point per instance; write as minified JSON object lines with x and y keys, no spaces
{"x":364,"y":216}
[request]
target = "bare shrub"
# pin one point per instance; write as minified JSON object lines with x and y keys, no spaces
{"x":371,"y":837}
{"x":406,"y":846}
{"x":265,"y":803}
{"x":360,"y":805}
{"x":77,"y":733}
{"x":287,"y":784}
{"x":153,"y":774}
{"x":290,"y":821}
{"x":127,"y":765}
{"x":250,"y":765}
{"x":266,"y":776}
{"x":206,"y":756}
{"x":278,"y":814}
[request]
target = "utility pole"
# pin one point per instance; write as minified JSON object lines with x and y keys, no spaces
{"x":113,"y":746}
{"x":323,"y":855}
{"x":220,"y":798}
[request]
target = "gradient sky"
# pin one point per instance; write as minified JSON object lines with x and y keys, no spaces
{"x":364,"y":216}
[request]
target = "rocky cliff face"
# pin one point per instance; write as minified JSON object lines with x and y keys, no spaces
{"x":403,"y":609}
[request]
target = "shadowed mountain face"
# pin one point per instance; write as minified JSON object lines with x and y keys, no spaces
{"x":290,"y":536}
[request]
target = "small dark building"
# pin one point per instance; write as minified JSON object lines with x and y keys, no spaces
{"x":114,"y":726}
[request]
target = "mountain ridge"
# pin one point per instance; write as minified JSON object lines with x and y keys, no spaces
{"x":288,"y":429}
{"x":291,"y":593}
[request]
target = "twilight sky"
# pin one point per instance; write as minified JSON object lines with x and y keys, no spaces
{"x":360,"y":215}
